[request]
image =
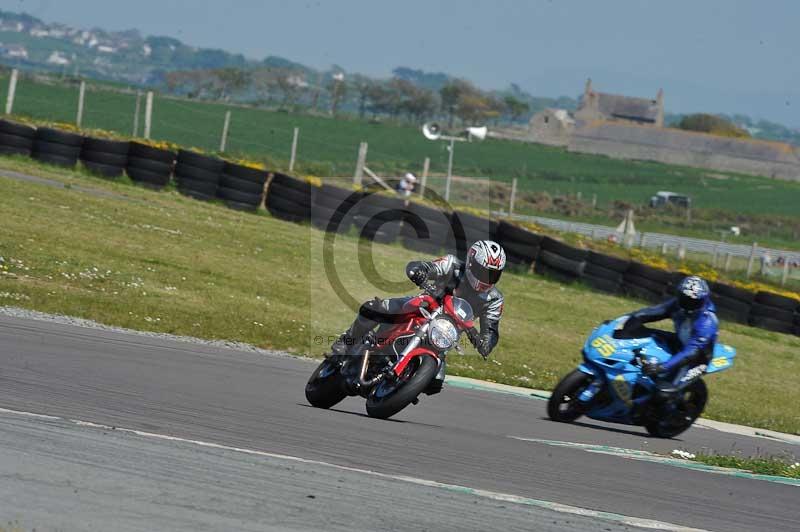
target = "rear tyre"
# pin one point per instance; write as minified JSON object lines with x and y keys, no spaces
{"x":562,"y":405}
{"x":389,"y":398}
{"x":694,"y":402}
{"x":325,"y":388}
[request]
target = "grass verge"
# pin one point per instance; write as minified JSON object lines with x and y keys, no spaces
{"x":781,"y":466}
{"x":157,"y":261}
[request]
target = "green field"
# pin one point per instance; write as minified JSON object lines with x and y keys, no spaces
{"x":328,"y":147}
{"x":161,"y":262}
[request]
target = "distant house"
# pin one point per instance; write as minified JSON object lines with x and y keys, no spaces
{"x":106,"y":49}
{"x":618,"y":108}
{"x":58,"y":58}
{"x":39,"y":32}
{"x":147,"y":50}
{"x":551,"y":126}
{"x":14,"y":51}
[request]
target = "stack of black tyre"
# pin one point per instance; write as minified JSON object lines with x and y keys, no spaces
{"x":149,"y":165}
{"x":646,"y":282}
{"x":333,"y":208}
{"x":732,"y":303}
{"x":425,"y":229}
{"x":522,"y":247}
{"x":15,"y":138}
{"x":198,"y":174}
{"x":774,"y":312}
{"x":561,"y":261}
{"x":289,"y":198}
{"x":605,"y":272}
{"x":242,"y":187}
{"x":379,"y":218}
{"x":468,"y":229}
{"x":58,"y":147}
{"x":106,"y":157}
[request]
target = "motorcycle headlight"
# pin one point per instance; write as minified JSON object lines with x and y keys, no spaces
{"x":443,"y":334}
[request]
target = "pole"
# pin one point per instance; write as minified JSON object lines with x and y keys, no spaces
{"x":136,"y":113}
{"x":12,"y":89}
{"x":449,"y":170}
{"x":663,"y":248}
{"x":225,"y":125}
{"x":425,"y":168}
{"x":360,"y":163}
{"x":728,"y":257}
{"x":751,"y":260}
{"x":81,"y":94}
{"x":785,"y":274}
{"x":294,"y":149}
{"x":594,"y":201}
{"x":714,"y":258}
{"x":148,"y":114}
{"x":642,"y":240}
{"x":513,"y":196}
{"x":682,"y":251}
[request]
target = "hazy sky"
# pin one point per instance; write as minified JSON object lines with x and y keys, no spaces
{"x":708,"y":55}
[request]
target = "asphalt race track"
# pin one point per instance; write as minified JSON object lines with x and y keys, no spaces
{"x":140,"y":433}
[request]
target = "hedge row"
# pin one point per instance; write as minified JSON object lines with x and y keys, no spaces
{"x":380,"y":218}
{"x":421,"y":228}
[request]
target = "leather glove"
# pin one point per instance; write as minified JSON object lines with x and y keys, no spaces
{"x":418,"y":276}
{"x":475,"y":339}
{"x":652,"y":370}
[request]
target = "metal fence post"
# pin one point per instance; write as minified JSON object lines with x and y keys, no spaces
{"x":148,"y":114}
{"x":12,"y":90}
{"x":81,"y":95}
{"x":223,"y":141}
{"x":294,"y":149}
{"x":136,"y":113}
{"x":751,"y":260}
{"x":426,"y":165}
{"x":728,"y":257}
{"x":513,"y":196}
{"x":360,"y":163}
{"x":785,"y":275}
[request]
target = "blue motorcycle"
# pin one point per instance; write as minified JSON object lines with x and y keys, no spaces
{"x":609,"y":384}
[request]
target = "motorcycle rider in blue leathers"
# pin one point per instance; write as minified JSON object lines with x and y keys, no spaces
{"x":692,"y":344}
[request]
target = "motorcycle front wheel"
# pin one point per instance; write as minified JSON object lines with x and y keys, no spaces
{"x":325,"y":387}
{"x":687,"y":409}
{"x":563,"y":403}
{"x":390,"y":397}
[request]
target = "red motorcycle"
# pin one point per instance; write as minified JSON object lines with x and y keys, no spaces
{"x":400,"y":362}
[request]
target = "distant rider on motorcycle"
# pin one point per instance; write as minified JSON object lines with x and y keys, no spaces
{"x":692,"y":344}
{"x":473,"y":280}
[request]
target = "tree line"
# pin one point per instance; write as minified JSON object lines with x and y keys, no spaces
{"x":291,"y":89}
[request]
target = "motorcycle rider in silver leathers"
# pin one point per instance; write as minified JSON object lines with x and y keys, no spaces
{"x":473,"y":280}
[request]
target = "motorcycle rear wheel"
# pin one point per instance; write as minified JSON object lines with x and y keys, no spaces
{"x":325,"y":387}
{"x":693,"y":404}
{"x":562,"y":405}
{"x":389,"y":398}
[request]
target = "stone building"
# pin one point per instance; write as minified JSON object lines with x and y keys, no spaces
{"x":618,"y":108}
{"x":551,"y":126}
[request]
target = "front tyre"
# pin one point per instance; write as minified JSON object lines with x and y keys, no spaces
{"x":563,"y":403}
{"x":687,"y":409}
{"x":325,"y":387}
{"x":389,"y":398}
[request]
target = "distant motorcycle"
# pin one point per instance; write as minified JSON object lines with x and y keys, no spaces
{"x":609,"y":384}
{"x":400,"y":362}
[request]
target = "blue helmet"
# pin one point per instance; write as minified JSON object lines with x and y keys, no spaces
{"x":693,"y":293}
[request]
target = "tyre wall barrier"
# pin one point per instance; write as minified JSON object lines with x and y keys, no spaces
{"x":241,"y":187}
{"x":732,"y":303}
{"x":56,"y":147}
{"x":560,"y":261}
{"x":149,"y":165}
{"x":774,"y":312}
{"x":16,"y":138}
{"x":646,"y":282}
{"x":379,"y":218}
{"x":289,"y":198}
{"x":522,"y":247}
{"x":605,"y":272}
{"x":333,"y":208}
{"x":426,"y":229}
{"x":108,"y":158}
{"x":468,"y":229}
{"x":197,"y":174}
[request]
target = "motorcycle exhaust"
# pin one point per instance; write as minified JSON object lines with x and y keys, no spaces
{"x":361,"y":377}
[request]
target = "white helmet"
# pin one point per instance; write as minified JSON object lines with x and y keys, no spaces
{"x":411,"y":177}
{"x":485,"y":262}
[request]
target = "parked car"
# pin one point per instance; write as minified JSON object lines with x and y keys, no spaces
{"x":663,"y":197}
